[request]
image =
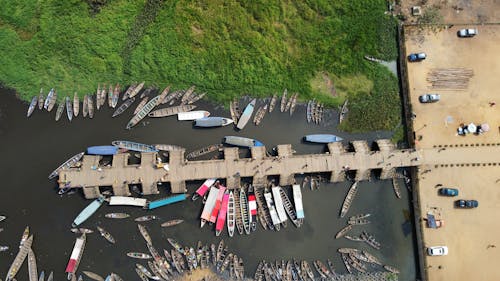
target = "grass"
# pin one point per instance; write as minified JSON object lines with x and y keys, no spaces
{"x":226,"y":48}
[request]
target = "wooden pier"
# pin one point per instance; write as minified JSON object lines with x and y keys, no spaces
{"x":150,"y":172}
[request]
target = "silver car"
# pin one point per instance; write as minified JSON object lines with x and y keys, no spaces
{"x":428,"y":98}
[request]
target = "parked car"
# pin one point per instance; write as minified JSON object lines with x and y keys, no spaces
{"x":437,"y":251}
{"x":466,"y":204}
{"x":467,"y":32}
{"x":428,"y":98}
{"x":417,"y":57}
{"x":446,"y":191}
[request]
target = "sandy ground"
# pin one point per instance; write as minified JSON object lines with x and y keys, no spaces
{"x":472,"y":236}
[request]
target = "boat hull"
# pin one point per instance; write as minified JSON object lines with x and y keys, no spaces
{"x":322,"y":138}
{"x":241,"y":141}
{"x":102,"y":150}
{"x":245,"y":116}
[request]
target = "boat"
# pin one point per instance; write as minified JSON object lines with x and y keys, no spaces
{"x":170,"y":97}
{"x":228,"y":258}
{"x":25,"y":236}
{"x":88,"y":211}
{"x":110,"y":95}
{"x":220,"y":249}
{"x":32,"y":106}
{"x":237,"y":211}
{"x":68,"y":164}
{"x":163,"y":95}
{"x":297,"y":200}
{"x":167,"y":147}
{"x":187,"y":95}
{"x":85,"y":109}
{"x":307,"y":269}
{"x":245,"y":214}
{"x":391,"y":269}
{"x":51,"y":276}
{"x":322,"y":269}
{"x":348,"y":199}
{"x":134,"y":91}
{"x":141,"y":105}
{"x":101,"y":96}
{"x":169,"y":111}
{"x":343,"y":231}
{"x":143,"y":112}
{"x":234,"y":110}
{"x":192,"y":115}
{"x":358,"y":221}
{"x":102,"y":150}
{"x":32,"y":269}
{"x":172,"y":223}
{"x":370,"y":240}
{"x":209,"y":205}
{"x":195,"y":98}
{"x":4,"y":248}
{"x":49,"y":100}
{"x":2,"y":218}
{"x":278,"y":203}
{"x":218,"y":203}
{"x":202,"y":190}
{"x":91,"y":106}
{"x":371,"y":258}
{"x":69,"y":109}
{"x":60,"y":109}
{"x":241,"y":141}
{"x":293,"y":103}
{"x":333,"y":274}
{"x":252,"y":209}
{"x":147,"y":92}
{"x":272,"y":103}
{"x":223,"y":214}
{"x":97,"y":97}
{"x":262,"y":210}
{"x":123,"y":107}
{"x":360,"y":216}
{"x":134,"y":146}
{"x":82,"y":230}
{"x":261,"y":112}
{"x":272,"y":210}
{"x":93,"y":275}
{"x":76,"y":104}
{"x":212,"y":122}
{"x":309,"y":111}
{"x":283,"y":101}
{"x":176,"y":245}
{"x":322,"y":138}
{"x":166,"y":201}
{"x":41,"y":99}
{"x":343,"y":111}
{"x":19,"y":259}
{"x":245,"y":116}
{"x":146,"y":218}
{"x":289,"y":104}
{"x":106,"y":235}
{"x":231,"y":214}
{"x":76,"y":256}
{"x":116,"y":96}
{"x":287,"y":204}
{"x":345,"y":259}
{"x":395,"y":186}
{"x":203,"y":151}
{"x":127,"y":201}
{"x":116,"y":215}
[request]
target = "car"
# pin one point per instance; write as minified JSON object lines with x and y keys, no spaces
{"x":446,"y":191}
{"x":429,"y":98}
{"x":437,"y":251}
{"x":467,"y":32}
{"x":417,"y":57}
{"x":466,"y":204}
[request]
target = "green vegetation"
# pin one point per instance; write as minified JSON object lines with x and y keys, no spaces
{"x":226,"y":48}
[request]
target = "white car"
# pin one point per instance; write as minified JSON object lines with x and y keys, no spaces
{"x":437,"y":251}
{"x":467,"y":32}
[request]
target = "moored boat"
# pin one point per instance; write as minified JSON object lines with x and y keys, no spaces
{"x":172,"y":223}
{"x":110,"y":96}
{"x":169,"y":111}
{"x":32,"y":269}
{"x":192,"y":115}
{"x":221,"y":218}
{"x":391,"y":269}
{"x":143,"y":112}
{"x":322,"y":138}
{"x":134,"y":91}
{"x":163,"y":95}
{"x":209,"y":205}
{"x":283,"y":101}
{"x":176,"y":245}
{"x":60,"y":109}
{"x":278,"y":203}
{"x":50,"y":101}
{"x":68,"y":164}
{"x":287,"y":204}
{"x":82,"y":230}
{"x":272,"y":210}
{"x":204,"y":150}
{"x":124,"y":106}
{"x":69,"y":109}
{"x":166,"y":201}
{"x":147,"y":92}
{"x":272,"y":103}
{"x":19,"y":259}
{"x":25,"y":236}
{"x":102,"y":150}
{"x":41,"y":99}
{"x":252,"y":208}
{"x":127,"y":201}
{"x":76,"y":104}
{"x":293,"y":103}
{"x":202,"y":190}
{"x":146,"y":218}
{"x":115,"y":96}
{"x":261,"y":112}
{"x":76,"y":256}
{"x":218,"y":203}
{"x":212,"y":122}
{"x":116,"y":215}
{"x":230,"y":214}
{"x":348,"y":199}
{"x":187,"y":95}
{"x":395,"y":186}
{"x":106,"y":235}
{"x":141,"y":105}
{"x":297,"y":200}
{"x":245,"y":116}
{"x":343,"y":231}
{"x":237,"y":209}
{"x":167,"y":147}
{"x":241,"y":141}
{"x":195,"y":98}
{"x":32,"y":106}
{"x":343,"y":111}
{"x":245,"y":214}
{"x":289,"y":104}
{"x":134,"y":146}
{"x":85,"y":109}
{"x":93,"y":275}
{"x":88,"y":211}
{"x":90,"y":104}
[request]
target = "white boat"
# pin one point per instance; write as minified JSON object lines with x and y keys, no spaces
{"x":76,"y":255}
{"x":19,"y":259}
{"x":245,"y":116}
{"x":272,"y":210}
{"x":127,"y":201}
{"x":278,"y":202}
{"x":192,"y":115}
{"x":297,"y":200}
{"x":209,"y":205}
{"x":231,"y":215}
{"x":32,"y":269}
{"x":68,"y":164}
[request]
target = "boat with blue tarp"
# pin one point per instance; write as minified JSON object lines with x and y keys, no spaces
{"x":166,"y":201}
{"x":322,"y":138}
{"x":102,"y":150}
{"x":88,"y":211}
{"x":241,"y":141}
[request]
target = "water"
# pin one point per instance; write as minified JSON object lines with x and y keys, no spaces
{"x":32,"y":148}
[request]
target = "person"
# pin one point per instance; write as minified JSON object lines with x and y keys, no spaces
{"x":492,"y":103}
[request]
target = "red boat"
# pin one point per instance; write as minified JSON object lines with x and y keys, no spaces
{"x":252,"y":207}
{"x":221,"y":219}
{"x":202,"y":190}
{"x":218,"y":204}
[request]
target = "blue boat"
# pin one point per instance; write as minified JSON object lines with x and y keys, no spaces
{"x":322,"y":138}
{"x":241,"y":141}
{"x":166,"y":201}
{"x":102,"y":150}
{"x":88,"y":211}
{"x":245,"y":116}
{"x":213,"y":122}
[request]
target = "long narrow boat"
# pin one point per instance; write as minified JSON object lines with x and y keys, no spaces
{"x":261,"y":112}
{"x":115,"y":96}
{"x":345,"y":259}
{"x":88,"y":211}
{"x":116,"y":215}
{"x":278,"y":202}
{"x":163,"y":95}
{"x":202,"y":190}
{"x":322,"y":138}
{"x":289,"y":104}
{"x":141,"y":105}
{"x":98,"y":96}
{"x":343,"y":231}
{"x":91,"y":106}
{"x":133,"y":90}
{"x":145,"y":234}
{"x":172,"y":223}
{"x":322,"y":269}
{"x":25,"y":236}
{"x":19,"y":259}
{"x":106,"y":235}
{"x":68,"y":164}
{"x":146,"y":218}
{"x":69,"y":109}
{"x":252,"y":208}
{"x":143,"y":112}
{"x":272,"y":210}
{"x":166,"y":201}
{"x":50,"y":95}
{"x":76,"y":256}
{"x":102,"y":150}
{"x":241,"y":141}
{"x":32,"y":106}
{"x":85,"y":110}
{"x":223,"y":214}
{"x":187,"y":95}
{"x":343,"y":111}
{"x":144,"y":271}
{"x":245,"y":116}
{"x":309,"y":111}
{"x":147,"y":92}
{"x":128,"y":91}
{"x":307,"y":269}
{"x":123,"y":107}
{"x":101,"y":96}
{"x":195,"y":98}
{"x":76,"y":104}
{"x":348,"y":199}
{"x":332,"y":269}
{"x":214,"y":121}
{"x":293,"y":103}
{"x":209,"y":205}
{"x":232,"y":110}
{"x":391,"y":269}
{"x":169,"y":111}
{"x":41,"y":99}
{"x":134,"y":146}
{"x":93,"y":275}
{"x":203,"y":151}
{"x":289,"y":207}
{"x":395,"y":186}
{"x":283,"y":101}
{"x":237,"y":210}
{"x":231,"y":215}
{"x":297,"y":200}
{"x":262,"y":210}
{"x":127,"y":201}
{"x":245,"y":214}
{"x":52,"y":101}
{"x":60,"y":109}
{"x":32,"y":269}
{"x":110,"y":95}
{"x":371,"y":258}
{"x":272,"y":103}
{"x":192,"y":115}
{"x":218,"y":203}
{"x":170,"y":97}
{"x":82,"y":230}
